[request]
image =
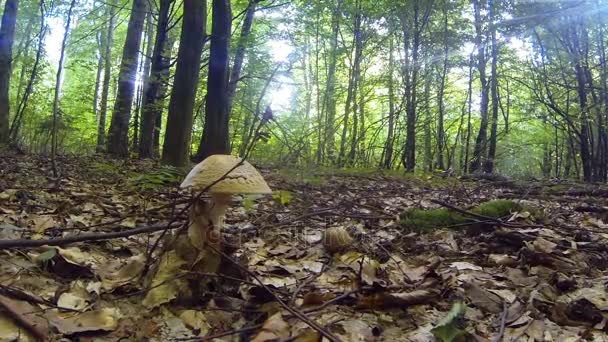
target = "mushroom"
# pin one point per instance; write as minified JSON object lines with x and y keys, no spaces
{"x":336,"y":239}
{"x":209,"y":217}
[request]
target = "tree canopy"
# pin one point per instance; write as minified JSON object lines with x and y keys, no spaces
{"x":513,"y":87}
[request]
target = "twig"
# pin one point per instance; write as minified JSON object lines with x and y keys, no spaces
{"x":503,"y":322}
{"x":87,"y":237}
{"x":300,"y":315}
{"x":13,"y":311}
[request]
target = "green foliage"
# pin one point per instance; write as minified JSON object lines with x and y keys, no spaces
{"x":282,"y":196}
{"x":450,"y":328}
{"x":158,"y":178}
{"x":45,"y":258}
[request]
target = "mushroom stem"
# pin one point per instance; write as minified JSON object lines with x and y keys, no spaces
{"x":219,"y":204}
{"x":207,"y":219}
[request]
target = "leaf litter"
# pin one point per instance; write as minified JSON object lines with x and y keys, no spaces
{"x":520,"y":278}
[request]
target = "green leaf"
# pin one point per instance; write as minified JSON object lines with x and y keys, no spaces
{"x":283,"y":196}
{"x":449,"y":329}
{"x":248,"y":202}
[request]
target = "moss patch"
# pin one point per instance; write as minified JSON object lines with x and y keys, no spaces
{"x":421,"y":220}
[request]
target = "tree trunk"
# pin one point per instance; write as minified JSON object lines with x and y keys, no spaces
{"x":147,"y":62}
{"x":489,"y":165}
{"x":106,"y":41}
{"x":98,"y":75}
{"x":480,"y":142}
{"x":389,"y":143}
{"x":465,"y":163}
{"x":215,"y":133}
{"x":239,"y":56}
{"x":353,"y":84}
{"x":176,"y":146}
{"x":118,"y":136}
{"x":152,"y":103}
{"x":56,"y":114}
{"x":420,"y":20}
{"x":16,"y":124}
{"x":7,"y":36}
{"x":329,"y":100}
{"x":428,"y":149}
{"x":440,"y":92}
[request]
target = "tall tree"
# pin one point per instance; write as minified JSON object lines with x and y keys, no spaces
{"x":441,"y":91}
{"x":389,"y":144}
{"x":118,"y":136}
{"x":412,"y":34}
{"x":17,"y":120}
{"x":239,"y":56}
{"x":489,"y":165}
{"x":215,"y":133}
{"x":481,"y":140}
{"x":107,"y":40}
{"x":56,"y":114}
{"x":7,"y":36}
{"x":146,"y":65}
{"x":176,"y":146}
{"x":153,"y":98}
{"x":329,"y":98}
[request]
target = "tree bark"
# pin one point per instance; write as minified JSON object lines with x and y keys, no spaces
{"x":353,"y":83}
{"x":389,"y":143}
{"x":176,"y":146}
{"x":118,"y":136}
{"x":153,"y":101}
{"x":239,"y":56}
{"x":7,"y":36}
{"x":16,"y":124}
{"x":215,"y":133}
{"x":481,"y":140}
{"x":329,"y":100}
{"x":147,"y":62}
{"x":465,"y":164}
{"x":106,"y":41}
{"x":56,"y":113}
{"x":489,"y":165}
{"x":440,"y":92}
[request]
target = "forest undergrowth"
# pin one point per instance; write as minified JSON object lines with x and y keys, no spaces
{"x":537,"y":273}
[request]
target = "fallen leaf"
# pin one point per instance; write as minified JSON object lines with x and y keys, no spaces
{"x":100,"y":320}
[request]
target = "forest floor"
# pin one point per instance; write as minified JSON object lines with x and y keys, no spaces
{"x":523,"y":277}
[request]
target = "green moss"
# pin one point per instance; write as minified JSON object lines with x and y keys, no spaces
{"x":497,"y":208}
{"x":425,"y":220}
{"x":421,"y":220}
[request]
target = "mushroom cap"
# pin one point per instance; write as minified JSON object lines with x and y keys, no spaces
{"x":244,"y":179}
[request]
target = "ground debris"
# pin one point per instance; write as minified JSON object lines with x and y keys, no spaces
{"x":522,"y":279}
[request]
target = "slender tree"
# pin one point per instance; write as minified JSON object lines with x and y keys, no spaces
{"x":7,"y":35}
{"x":106,"y":41}
{"x":489,"y":165}
{"x":118,"y":136}
{"x":56,"y":114}
{"x":153,"y":98}
{"x":239,"y":56}
{"x":215,"y":133}
{"x":481,"y":140}
{"x":16,"y":124}
{"x":176,"y":146}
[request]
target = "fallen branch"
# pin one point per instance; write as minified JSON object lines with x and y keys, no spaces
{"x":87,"y":237}
{"x":28,"y":321}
